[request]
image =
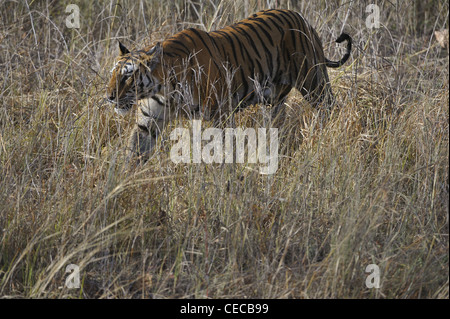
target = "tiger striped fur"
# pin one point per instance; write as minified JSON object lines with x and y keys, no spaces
{"x":257,"y":60}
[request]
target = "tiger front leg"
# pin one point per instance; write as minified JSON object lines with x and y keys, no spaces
{"x":151,"y":120}
{"x":140,"y":144}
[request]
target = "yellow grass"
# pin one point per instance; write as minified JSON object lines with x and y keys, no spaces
{"x":367,"y":186}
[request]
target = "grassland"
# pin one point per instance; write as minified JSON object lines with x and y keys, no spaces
{"x":368,"y":186}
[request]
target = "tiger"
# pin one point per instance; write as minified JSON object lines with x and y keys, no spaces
{"x":255,"y":61}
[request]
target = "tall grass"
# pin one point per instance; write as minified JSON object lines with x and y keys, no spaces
{"x":369,"y":186}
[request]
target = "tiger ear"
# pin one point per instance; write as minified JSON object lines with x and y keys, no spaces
{"x":123,"y":49}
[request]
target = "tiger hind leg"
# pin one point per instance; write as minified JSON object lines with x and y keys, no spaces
{"x":316,"y":88}
{"x":278,"y":103}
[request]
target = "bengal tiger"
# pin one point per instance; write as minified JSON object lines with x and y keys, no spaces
{"x":255,"y":61}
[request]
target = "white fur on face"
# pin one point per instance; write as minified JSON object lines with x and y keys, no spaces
{"x":128,"y":68}
{"x":122,"y":111}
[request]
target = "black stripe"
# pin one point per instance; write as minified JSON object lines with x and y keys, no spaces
{"x":302,"y":38}
{"x":243,"y":49}
{"x":245,"y":84}
{"x":145,"y":113}
{"x":294,"y":39}
{"x":262,"y":42}
{"x":275,"y":72}
{"x":156,"y":98}
{"x":213,"y":40}
{"x":143,"y":128}
{"x":257,"y":34}
{"x":225,"y":34}
{"x":278,"y":19}
{"x":283,"y":20}
{"x":307,"y":38}
{"x":123,"y":80}
{"x":286,"y":58}
{"x":300,"y":30}
{"x":250,"y":40}
{"x":251,"y":66}
{"x":267,"y":34}
{"x":222,"y":51}
{"x":190,"y":38}
{"x":172,"y":55}
{"x":263,"y":21}
{"x":185,"y":49}
{"x":260,"y":69}
{"x":141,"y":83}
{"x":293,"y":31}
{"x":197,"y":33}
{"x":288,"y":20}
{"x":267,"y":52}
{"x":291,"y":16}
{"x":269,"y":61}
{"x":233,"y":47}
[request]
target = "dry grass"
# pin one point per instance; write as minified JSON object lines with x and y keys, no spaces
{"x":368,"y":186}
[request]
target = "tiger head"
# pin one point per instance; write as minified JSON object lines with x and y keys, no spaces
{"x":131,"y":77}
